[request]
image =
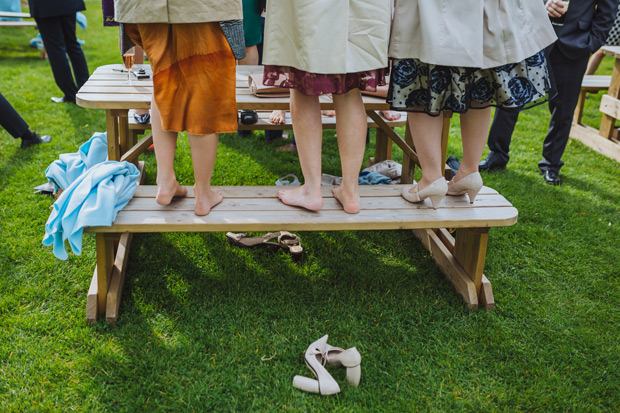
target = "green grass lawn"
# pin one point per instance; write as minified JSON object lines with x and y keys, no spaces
{"x":207,"y":326}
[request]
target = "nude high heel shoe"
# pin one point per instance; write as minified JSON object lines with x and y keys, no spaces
{"x":350,"y":358}
{"x":435,"y":191}
{"x":471,"y":184}
{"x":314,"y":357}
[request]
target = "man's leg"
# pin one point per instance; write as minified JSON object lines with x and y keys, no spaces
{"x":11,"y":120}
{"x":74,"y":50}
{"x":53,"y":40}
{"x":500,"y":136}
{"x":568,"y":75}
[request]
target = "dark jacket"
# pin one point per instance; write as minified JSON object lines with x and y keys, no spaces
{"x":586,"y":27}
{"x":54,"y":8}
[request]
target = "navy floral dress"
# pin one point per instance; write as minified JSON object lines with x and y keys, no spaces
{"x":420,"y":87}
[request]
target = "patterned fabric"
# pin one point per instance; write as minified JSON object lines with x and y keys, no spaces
{"x":613,"y":39}
{"x":193,"y":75}
{"x":421,"y":87}
{"x":315,"y":84}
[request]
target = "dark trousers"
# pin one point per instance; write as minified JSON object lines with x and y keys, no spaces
{"x":10,"y":119}
{"x":568,"y":75}
{"x":58,"y":34}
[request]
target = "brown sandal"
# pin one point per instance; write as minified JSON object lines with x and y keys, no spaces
{"x":243,"y":241}
{"x":292,"y":243}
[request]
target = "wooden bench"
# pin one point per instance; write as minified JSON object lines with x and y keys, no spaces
{"x":256,"y":208}
{"x":590,"y":84}
{"x":16,"y":23}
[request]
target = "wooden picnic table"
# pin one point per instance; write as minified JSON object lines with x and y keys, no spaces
{"x":460,"y":256}
{"x":604,"y":140}
{"x":106,"y":89}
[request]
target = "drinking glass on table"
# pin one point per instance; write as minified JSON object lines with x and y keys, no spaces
{"x":559,"y":21}
{"x":128,"y":58}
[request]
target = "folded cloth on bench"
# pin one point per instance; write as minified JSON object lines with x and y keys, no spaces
{"x":259,"y":90}
{"x":373,"y":178}
{"x":70,"y":166}
{"x":93,"y":199}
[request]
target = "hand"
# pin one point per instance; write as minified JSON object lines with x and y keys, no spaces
{"x":554,"y":8}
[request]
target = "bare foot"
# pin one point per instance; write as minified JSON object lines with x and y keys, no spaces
{"x":302,"y":197}
{"x":330,"y":113}
{"x":167,"y":191}
{"x":350,"y":202}
{"x":278,"y":117}
{"x":206,"y":200}
{"x":390,"y":114}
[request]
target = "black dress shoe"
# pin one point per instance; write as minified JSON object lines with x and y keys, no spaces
{"x":491,"y":164}
{"x":551,"y":177}
{"x":35,"y":141}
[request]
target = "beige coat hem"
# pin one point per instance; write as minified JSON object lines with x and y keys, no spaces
{"x":176,"y":11}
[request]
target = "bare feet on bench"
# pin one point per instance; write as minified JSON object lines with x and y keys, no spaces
{"x":330,"y":113}
{"x":278,"y":117}
{"x":302,"y":197}
{"x":390,"y":114}
{"x":205,"y":200}
{"x":349,"y":201}
{"x":168,"y":190}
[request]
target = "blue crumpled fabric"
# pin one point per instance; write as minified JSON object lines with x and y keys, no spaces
{"x":373,"y":178}
{"x":70,"y":166}
{"x":93,"y":199}
{"x":81,"y":20}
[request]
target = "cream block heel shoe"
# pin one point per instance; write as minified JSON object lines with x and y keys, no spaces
{"x":471,"y":184}
{"x":325,"y":383}
{"x":435,"y":191}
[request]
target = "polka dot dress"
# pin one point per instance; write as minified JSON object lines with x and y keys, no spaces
{"x":613,"y":39}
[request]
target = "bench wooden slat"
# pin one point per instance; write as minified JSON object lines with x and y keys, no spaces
{"x":299,"y":220}
{"x":14,"y":23}
{"x":149,"y":191}
{"x":271,"y":204}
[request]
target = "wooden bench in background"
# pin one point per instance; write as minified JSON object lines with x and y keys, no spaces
{"x":16,"y":23}
{"x":590,"y":84}
{"x":257,"y":208}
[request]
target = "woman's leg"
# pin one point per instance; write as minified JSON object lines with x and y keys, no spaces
{"x":251,"y":56}
{"x":204,"y":149}
{"x":426,"y":133}
{"x":351,"y":133}
{"x":306,"y":116}
{"x":165,"y":144}
{"x":474,"y":131}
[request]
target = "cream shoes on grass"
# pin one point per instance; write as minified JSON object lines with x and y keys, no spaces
{"x":320,"y":353}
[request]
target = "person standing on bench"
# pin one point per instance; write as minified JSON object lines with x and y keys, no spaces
{"x":193,"y":85}
{"x":311,"y":48}
{"x":586,"y":26}
{"x":463,"y":59}
{"x":56,"y":23}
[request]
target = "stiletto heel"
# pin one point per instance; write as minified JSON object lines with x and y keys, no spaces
{"x":435,"y":191}
{"x":471,"y":184}
{"x":314,"y":358}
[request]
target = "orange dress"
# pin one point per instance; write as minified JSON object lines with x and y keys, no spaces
{"x":193,"y":75}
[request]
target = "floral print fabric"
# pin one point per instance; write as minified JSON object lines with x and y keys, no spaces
{"x":315,"y":84}
{"x":422,"y":87}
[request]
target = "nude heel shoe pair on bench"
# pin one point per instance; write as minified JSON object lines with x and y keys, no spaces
{"x":320,"y":353}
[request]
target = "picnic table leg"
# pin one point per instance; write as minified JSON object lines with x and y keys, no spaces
{"x":578,"y":114}
{"x":112,"y":130}
{"x":124,"y":136}
{"x":383,"y":147}
{"x":103,"y":272}
{"x":608,"y":122}
{"x":470,"y":250}
{"x":408,"y":163}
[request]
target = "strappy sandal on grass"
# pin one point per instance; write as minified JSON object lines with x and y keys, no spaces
{"x":243,"y":241}
{"x":292,"y":243}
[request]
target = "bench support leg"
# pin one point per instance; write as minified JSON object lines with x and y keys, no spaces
{"x":462,"y":261}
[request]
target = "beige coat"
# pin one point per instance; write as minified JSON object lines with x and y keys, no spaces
{"x":176,"y":11}
{"x":470,"y":33}
{"x":327,"y":36}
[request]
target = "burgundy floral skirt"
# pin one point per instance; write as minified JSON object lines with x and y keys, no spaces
{"x":315,"y":84}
